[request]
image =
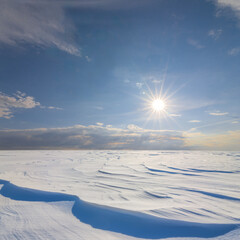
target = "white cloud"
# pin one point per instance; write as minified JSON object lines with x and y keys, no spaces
{"x":156,"y":81}
{"x":36,"y":22}
{"x":194,"y":121}
{"x":235,"y":122}
{"x":229,"y":8}
{"x":56,"y":108}
{"x":134,"y":127}
{"x":234,"y":51}
{"x":195,"y":43}
{"x":233,"y":4}
{"x":174,"y":115}
{"x":215,"y":33}
{"x":18,"y":100}
{"x":5,"y":113}
{"x":218,"y":113}
{"x":8,"y":104}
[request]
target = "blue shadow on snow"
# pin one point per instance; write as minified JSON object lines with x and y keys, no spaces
{"x":126,"y":222}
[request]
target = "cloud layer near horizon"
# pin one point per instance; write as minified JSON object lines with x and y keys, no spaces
{"x":91,"y":137}
{"x":107,"y":137}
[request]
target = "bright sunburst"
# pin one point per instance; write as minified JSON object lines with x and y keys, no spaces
{"x":158,"y":105}
{"x":158,"y":102}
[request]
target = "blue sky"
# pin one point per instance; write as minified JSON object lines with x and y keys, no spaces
{"x":79,"y":74}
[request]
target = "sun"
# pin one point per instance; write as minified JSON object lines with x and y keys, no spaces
{"x":158,"y":105}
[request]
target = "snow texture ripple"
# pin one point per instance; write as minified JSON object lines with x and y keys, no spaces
{"x":119,"y":195}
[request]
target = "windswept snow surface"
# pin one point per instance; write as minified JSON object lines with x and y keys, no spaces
{"x":119,"y":195}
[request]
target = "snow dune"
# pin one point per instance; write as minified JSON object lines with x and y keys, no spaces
{"x":120,"y":195}
{"x":112,"y":219}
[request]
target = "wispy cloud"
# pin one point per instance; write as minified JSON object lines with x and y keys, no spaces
{"x":139,"y":85}
{"x":88,"y":58}
{"x":218,"y":113}
{"x":47,"y":24}
{"x":156,"y":81}
{"x":194,"y":121}
{"x":212,"y":124}
{"x":8,"y":104}
{"x":100,"y":108}
{"x":215,"y":33}
{"x":154,"y":78}
{"x":195,"y":43}
{"x":234,"y":51}
{"x":134,"y":127}
{"x":36,"y":22}
{"x":190,"y":104}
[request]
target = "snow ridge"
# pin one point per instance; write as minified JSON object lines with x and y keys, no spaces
{"x":122,"y":221}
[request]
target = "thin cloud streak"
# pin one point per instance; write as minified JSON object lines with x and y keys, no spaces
{"x":217,"y":113}
{"x":194,"y":121}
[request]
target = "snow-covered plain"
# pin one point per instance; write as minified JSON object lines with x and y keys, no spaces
{"x":119,"y":195}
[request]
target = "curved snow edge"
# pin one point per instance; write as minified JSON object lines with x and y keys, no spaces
{"x":126,"y":222}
